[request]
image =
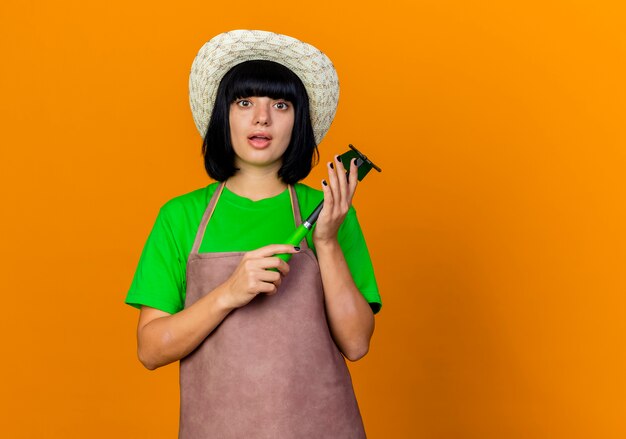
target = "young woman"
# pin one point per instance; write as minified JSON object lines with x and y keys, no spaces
{"x":259,"y":340}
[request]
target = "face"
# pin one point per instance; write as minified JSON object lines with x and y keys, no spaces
{"x":260,"y":131}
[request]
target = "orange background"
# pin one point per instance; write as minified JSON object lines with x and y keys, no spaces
{"x":496,"y":227}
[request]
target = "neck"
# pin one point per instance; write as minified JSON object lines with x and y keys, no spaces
{"x":256,"y":184}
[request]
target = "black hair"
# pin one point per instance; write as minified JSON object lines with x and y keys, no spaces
{"x":260,"y":78}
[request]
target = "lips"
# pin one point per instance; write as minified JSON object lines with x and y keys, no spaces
{"x":259,"y":139}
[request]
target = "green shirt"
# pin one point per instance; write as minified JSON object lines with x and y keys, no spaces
{"x":237,"y":224}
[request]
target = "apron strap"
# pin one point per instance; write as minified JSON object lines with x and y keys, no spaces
{"x":295,"y":207}
{"x":207,"y":216}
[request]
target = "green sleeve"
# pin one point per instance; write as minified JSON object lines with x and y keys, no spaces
{"x":159,"y":279}
{"x":357,"y":256}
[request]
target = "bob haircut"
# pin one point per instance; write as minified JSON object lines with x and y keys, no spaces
{"x":267,"y":79}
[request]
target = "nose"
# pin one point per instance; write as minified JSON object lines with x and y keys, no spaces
{"x":262,"y":115}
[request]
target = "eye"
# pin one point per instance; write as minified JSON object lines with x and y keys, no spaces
{"x":281,"y":105}
{"x":243,"y":102}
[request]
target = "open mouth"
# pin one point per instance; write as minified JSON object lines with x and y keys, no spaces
{"x":259,"y":140}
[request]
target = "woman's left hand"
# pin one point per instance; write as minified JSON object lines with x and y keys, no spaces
{"x":338,"y":194}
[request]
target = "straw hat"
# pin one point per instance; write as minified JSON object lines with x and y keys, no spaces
{"x":228,"y":49}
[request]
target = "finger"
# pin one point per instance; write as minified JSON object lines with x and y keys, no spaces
{"x":341,"y":177}
{"x":266,"y":288}
{"x":273,"y":249}
{"x":328,"y":199}
{"x":334,"y":184}
{"x":274,"y":262}
{"x":353,"y":178}
{"x":273,"y":289}
{"x":273,"y":277}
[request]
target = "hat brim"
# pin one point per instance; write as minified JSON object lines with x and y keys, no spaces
{"x":228,"y":49}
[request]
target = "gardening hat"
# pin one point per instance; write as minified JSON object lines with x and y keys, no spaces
{"x":228,"y":49}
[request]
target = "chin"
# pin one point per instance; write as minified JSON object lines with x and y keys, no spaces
{"x":259,"y":162}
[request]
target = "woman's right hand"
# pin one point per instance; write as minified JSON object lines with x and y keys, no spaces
{"x":252,"y":277}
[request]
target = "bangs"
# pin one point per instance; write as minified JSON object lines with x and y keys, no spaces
{"x":263,"y":78}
